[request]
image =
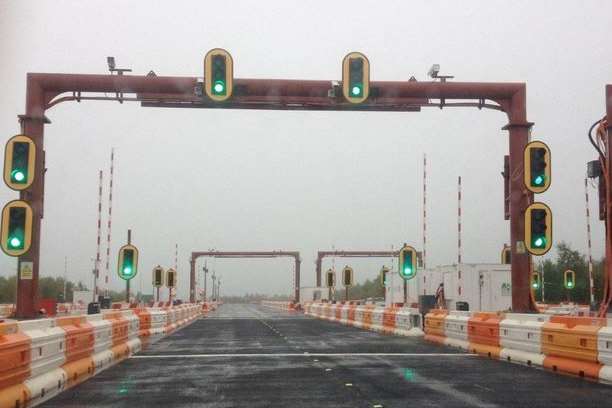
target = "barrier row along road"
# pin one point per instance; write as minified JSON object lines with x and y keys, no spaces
{"x":403,"y":321}
{"x":573,"y":345}
{"x":41,"y":358}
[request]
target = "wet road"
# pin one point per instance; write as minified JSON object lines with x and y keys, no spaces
{"x":254,"y":356}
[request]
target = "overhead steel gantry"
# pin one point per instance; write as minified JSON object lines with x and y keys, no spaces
{"x":350,"y":254}
{"x":244,"y":254}
{"x":46,"y":90}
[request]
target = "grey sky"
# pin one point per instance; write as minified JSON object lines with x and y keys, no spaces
{"x":301,"y":180}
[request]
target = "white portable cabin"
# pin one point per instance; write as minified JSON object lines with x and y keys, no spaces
{"x":485,"y":287}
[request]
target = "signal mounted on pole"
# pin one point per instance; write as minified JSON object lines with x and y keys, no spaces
{"x":330,"y":278}
{"x":127,"y":265}
{"x":218,"y":75}
{"x":407,"y":262}
{"x":347,"y":276}
{"x":158,"y":276}
{"x":538,"y":228}
{"x":535,"y":281}
{"x":19,"y":161}
{"x":569,"y":279}
{"x":171,"y":278}
{"x":383,"y":276}
{"x":16,"y":231}
{"x":537,"y":167}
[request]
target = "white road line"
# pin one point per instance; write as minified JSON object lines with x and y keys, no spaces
{"x":304,"y":355}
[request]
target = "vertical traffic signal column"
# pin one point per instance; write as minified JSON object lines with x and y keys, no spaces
{"x":355,"y":77}
{"x":407,"y":267}
{"x":538,"y":216}
{"x":347,"y":280}
{"x":158,"y":280}
{"x":127,"y":265}
{"x":19,"y":219}
{"x":218,"y":75}
{"x":171,"y":283}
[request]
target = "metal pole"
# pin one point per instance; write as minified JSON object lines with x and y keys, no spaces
{"x":96,"y":271}
{"x":205,"y":278}
{"x":405,"y":292}
{"x":459,"y":280}
{"x":543,"y":283}
{"x":127,"y":281}
{"x":589,"y":252}
{"x":65,"y":276}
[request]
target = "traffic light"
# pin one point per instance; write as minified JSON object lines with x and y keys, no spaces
{"x":383,"y":276}
{"x":535,"y":281}
{"x":330,"y":278}
{"x":538,"y":228}
{"x":506,"y":255}
{"x":127,"y":265}
{"x":19,"y":159}
{"x":537,"y":167}
{"x":569,"y":279}
{"x":171,"y":278}
{"x":218,"y":75}
{"x":158,"y":276}
{"x":407,"y":262}
{"x":355,"y":77}
{"x":16,"y":227}
{"x":347,"y":276}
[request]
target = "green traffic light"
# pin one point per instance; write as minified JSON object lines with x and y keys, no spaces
{"x":356,"y":90}
{"x":570,"y":284}
{"x":219,"y":87}
{"x":535,"y":285}
{"x":539,"y":180}
{"x":18,"y":176}
{"x":127,"y":270}
{"x":14,"y":242}
{"x":539,"y":242}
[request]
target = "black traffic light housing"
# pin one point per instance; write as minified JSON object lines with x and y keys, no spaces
{"x":407,"y":262}
{"x":384,"y":272}
{"x":347,"y":276}
{"x":158,"y":277}
{"x":218,"y":75}
{"x":506,"y":255}
{"x":537,"y":167}
{"x":535,"y":281}
{"x":127,"y":264}
{"x":171,"y":278}
{"x":569,"y":279}
{"x":355,"y":77}
{"x":19,"y":162}
{"x":538,"y":228}
{"x":16,"y":230}
{"x":330,"y":278}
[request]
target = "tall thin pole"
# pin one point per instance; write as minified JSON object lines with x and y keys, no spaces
{"x":589,"y":251}
{"x":459,"y":236}
{"x":65,"y":276}
{"x":424,"y":219}
{"x":99,"y":236}
{"x":108,"y":228}
{"x":205,"y":278}
{"x":127,"y":281}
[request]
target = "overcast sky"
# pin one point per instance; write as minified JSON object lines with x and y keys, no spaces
{"x":263,"y":180}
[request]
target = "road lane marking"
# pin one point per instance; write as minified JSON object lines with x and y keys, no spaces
{"x":303,"y":355}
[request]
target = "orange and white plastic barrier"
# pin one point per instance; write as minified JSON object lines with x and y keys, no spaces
{"x":403,"y":321}
{"x":574,"y":345}
{"x":40,"y":358}
{"x":287,"y":306}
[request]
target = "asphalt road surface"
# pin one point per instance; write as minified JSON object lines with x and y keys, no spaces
{"x":254,"y":356}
